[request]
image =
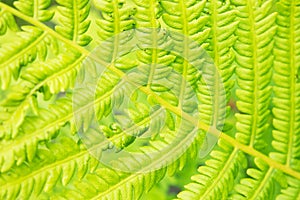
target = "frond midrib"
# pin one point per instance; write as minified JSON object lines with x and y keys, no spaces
{"x":255,"y":73}
{"x":216,"y":62}
{"x":76,"y":23}
{"x":35,"y":9}
{"x":293,"y":87}
{"x":154,"y":50}
{"x":185,"y":54}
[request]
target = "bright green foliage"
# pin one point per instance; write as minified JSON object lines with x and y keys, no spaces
{"x":73,"y":20}
{"x":29,"y":44}
{"x":254,"y":58}
{"x":35,"y":9}
{"x":286,"y":69}
{"x":216,"y":178}
{"x":254,"y":46}
{"x":7,"y":22}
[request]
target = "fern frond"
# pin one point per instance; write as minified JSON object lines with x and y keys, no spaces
{"x":29,"y":44}
{"x":215,"y":88}
{"x":186,"y":18}
{"x":286,"y":99}
{"x":55,"y":75}
{"x":112,"y":184}
{"x":189,"y":72}
{"x":51,"y":77}
{"x":35,"y":9}
{"x":73,"y":20}
{"x":70,"y":167}
{"x":215,"y":179}
{"x":260,"y":182}
{"x":254,"y":61}
{"x":145,"y":20}
{"x":154,"y":55}
{"x":151,"y":97}
{"x":60,"y":162}
{"x":222,"y":24}
{"x":7,"y":21}
{"x":103,"y":179}
{"x":292,"y":191}
{"x":116,"y":17}
{"x":177,"y":149}
{"x":34,"y":130}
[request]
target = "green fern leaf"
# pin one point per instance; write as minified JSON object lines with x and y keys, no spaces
{"x":255,"y":82}
{"x":7,"y":21}
{"x":292,"y":191}
{"x":263,"y":179}
{"x":51,"y":77}
{"x":32,"y":131}
{"x":27,"y":46}
{"x":73,"y":20}
{"x":286,"y":124}
{"x":215,"y":179}
{"x":35,"y":9}
{"x":254,"y":59}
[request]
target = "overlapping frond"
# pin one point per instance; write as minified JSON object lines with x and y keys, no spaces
{"x":185,"y":18}
{"x":292,"y":191}
{"x":222,"y":23}
{"x":286,"y":109}
{"x":220,"y":42}
{"x":254,"y":63}
{"x":28,"y":45}
{"x":216,"y":178}
{"x":57,"y":163}
{"x":50,"y":77}
{"x":110,"y":183}
{"x":35,"y":9}
{"x":260,"y":182}
{"x":7,"y":22}
{"x":73,"y":20}
{"x":34,"y":130}
{"x":170,"y":153}
{"x":89,"y":188}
